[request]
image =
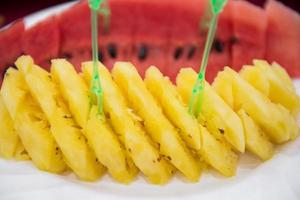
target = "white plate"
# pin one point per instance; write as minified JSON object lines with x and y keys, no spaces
{"x":278,"y":178}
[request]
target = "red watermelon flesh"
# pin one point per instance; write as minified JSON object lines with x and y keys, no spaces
{"x":145,"y":54}
{"x":42,"y":41}
{"x":10,"y":46}
{"x":78,"y":56}
{"x":75,"y":33}
{"x":249,"y":25}
{"x":75,"y":28}
{"x":220,"y":54}
{"x":191,"y":41}
{"x":186,"y":42}
{"x":152,"y":21}
{"x":118,"y":38}
{"x":151,"y":34}
{"x":283,"y":37}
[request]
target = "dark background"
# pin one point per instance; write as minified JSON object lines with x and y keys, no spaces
{"x":14,"y":9}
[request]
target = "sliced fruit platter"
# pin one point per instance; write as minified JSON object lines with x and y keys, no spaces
{"x":46,"y":117}
{"x":250,"y":106}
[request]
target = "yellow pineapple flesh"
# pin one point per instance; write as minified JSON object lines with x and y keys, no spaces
{"x":72,"y":88}
{"x":258,"y":106}
{"x":219,"y":118}
{"x":213,"y":152}
{"x":31,"y":125}
{"x":10,"y":143}
{"x":166,"y":95}
{"x":276,"y":87}
{"x":256,"y":140}
{"x":215,"y":149}
{"x":68,"y":135}
{"x":283,"y":75}
{"x":142,"y":151}
{"x":98,"y":132}
{"x":156,"y":124}
{"x":218,"y":154}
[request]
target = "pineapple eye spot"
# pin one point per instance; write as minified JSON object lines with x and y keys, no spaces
{"x":107,"y":115}
{"x":221,"y":131}
{"x":23,"y":152}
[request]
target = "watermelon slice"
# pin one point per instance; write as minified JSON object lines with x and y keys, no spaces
{"x":75,"y":28}
{"x":151,"y":34}
{"x":42,"y":41}
{"x":186,"y":43}
{"x":164,"y":33}
{"x":187,"y":46}
{"x":10,"y":46}
{"x":220,"y":55}
{"x":116,"y":41}
{"x":283,"y":40}
{"x":75,"y":34}
{"x":249,"y":25}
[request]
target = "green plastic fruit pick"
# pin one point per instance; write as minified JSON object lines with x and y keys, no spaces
{"x":96,"y":92}
{"x":196,"y":100}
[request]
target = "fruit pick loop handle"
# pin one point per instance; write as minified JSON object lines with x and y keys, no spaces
{"x":96,"y":92}
{"x":196,"y":100}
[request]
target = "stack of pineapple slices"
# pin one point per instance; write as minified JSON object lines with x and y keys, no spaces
{"x":47,"y":117}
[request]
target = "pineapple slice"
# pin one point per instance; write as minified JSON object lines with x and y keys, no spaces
{"x":31,"y":125}
{"x":72,"y":88}
{"x":218,"y":153}
{"x":100,"y":136}
{"x":256,"y":140}
{"x":165,"y":93}
{"x":259,"y":107}
{"x":256,"y":78}
{"x":283,"y":75}
{"x":218,"y":117}
{"x":68,"y":135}
{"x":156,"y":124}
{"x":10,"y":143}
{"x":144,"y":154}
{"x":213,"y":152}
{"x":273,"y":86}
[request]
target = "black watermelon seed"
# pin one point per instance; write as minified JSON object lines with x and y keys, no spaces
{"x":234,"y":40}
{"x":100,"y":55}
{"x":218,"y":46}
{"x":142,"y":52}
{"x":67,"y":55}
{"x":112,"y":50}
{"x":191,"y":52}
{"x":178,"y":53}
